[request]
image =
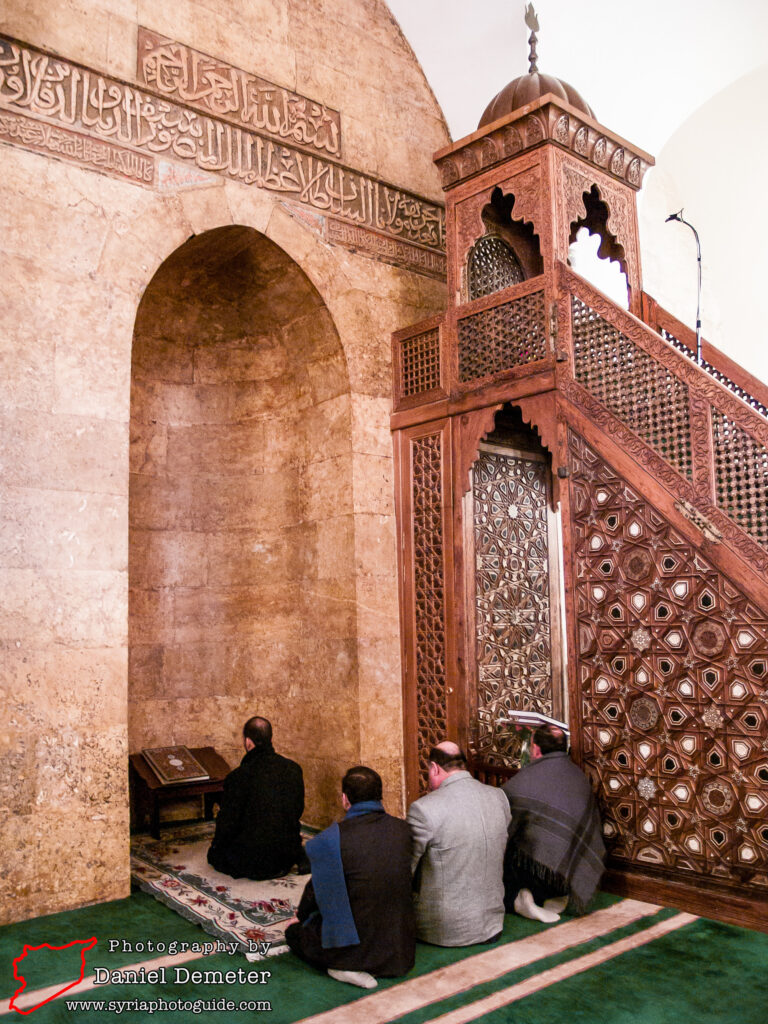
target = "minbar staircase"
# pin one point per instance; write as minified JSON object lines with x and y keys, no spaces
{"x":660,"y":473}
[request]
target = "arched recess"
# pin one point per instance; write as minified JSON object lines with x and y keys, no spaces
{"x":241,"y":561}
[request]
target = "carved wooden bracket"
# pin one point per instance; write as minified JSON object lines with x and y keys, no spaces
{"x":475,"y":427}
{"x":540,"y":412}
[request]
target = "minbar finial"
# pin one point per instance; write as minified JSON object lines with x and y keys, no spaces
{"x":533,"y":24}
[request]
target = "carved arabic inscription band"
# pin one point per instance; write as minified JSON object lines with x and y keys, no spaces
{"x":45,"y":138}
{"x":72,"y":97}
{"x":382,"y":247}
{"x":178,"y":72}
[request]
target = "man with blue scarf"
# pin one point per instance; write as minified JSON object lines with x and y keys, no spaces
{"x":355,"y":918}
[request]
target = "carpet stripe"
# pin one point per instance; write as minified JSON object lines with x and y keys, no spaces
{"x":32,"y":998}
{"x":409,"y":996}
{"x":470,"y":1012}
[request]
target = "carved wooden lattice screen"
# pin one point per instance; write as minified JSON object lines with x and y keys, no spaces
{"x":741,"y":476}
{"x":492,"y":266}
{"x":647,"y":396}
{"x":512,"y":598}
{"x":703,"y":443}
{"x":429,"y":594}
{"x":672,"y":671}
{"x":419,"y":359}
{"x":501,"y":337}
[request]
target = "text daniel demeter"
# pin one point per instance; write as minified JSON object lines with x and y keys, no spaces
{"x":180,"y":976}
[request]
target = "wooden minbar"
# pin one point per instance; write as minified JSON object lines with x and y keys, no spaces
{"x":582,"y":510}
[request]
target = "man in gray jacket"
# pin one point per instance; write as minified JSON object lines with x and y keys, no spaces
{"x":459,"y":832}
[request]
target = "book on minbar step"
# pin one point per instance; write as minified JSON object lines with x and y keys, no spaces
{"x":175,"y":764}
{"x":531,"y":720}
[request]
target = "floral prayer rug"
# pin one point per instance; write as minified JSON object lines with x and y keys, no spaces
{"x":175,"y":870}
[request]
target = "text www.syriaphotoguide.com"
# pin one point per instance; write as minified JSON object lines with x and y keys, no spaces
{"x":162,"y":1005}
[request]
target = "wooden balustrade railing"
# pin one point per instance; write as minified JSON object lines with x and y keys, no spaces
{"x":708,"y":423}
{"x":502,"y":334}
{"x":696,"y":423}
{"x":751,"y":390}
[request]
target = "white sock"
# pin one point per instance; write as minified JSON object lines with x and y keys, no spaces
{"x":525,"y":907}
{"x":557,"y":904}
{"x":360,"y":978}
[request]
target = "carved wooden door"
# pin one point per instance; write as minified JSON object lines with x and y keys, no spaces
{"x":513,"y":593}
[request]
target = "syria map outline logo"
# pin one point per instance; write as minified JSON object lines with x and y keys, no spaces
{"x":86,"y":945}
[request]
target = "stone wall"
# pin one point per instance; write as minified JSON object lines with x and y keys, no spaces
{"x":90,"y":212}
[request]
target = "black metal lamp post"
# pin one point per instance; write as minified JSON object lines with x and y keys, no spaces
{"x":679,"y":216}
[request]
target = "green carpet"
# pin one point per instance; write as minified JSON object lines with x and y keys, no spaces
{"x":704,"y":973}
{"x":136,"y":918}
{"x":294,"y":990}
{"x":513,"y":977}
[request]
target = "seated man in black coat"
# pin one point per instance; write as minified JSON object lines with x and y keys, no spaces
{"x":257,"y":828}
{"x":355,"y":918}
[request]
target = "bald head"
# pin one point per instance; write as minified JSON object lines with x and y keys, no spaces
{"x":444,"y":759}
{"x":450,"y":748}
{"x":257,"y":732}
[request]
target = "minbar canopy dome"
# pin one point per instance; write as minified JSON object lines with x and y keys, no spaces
{"x":531,"y":87}
{"x":528,"y":88}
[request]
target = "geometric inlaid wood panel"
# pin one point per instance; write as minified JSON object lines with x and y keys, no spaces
{"x":672,"y":668}
{"x":429,"y":591}
{"x":512,"y":604}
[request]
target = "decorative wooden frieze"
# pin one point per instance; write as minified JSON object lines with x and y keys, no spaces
{"x":546,"y":119}
{"x":66,"y":95}
{"x":214,"y":87}
{"x":76,"y":148}
{"x":699,"y":415}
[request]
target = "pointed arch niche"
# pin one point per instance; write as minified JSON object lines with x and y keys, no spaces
{"x":507,"y":253}
{"x":241,"y":561}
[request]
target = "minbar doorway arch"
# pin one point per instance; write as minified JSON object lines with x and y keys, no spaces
{"x":481,"y":590}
